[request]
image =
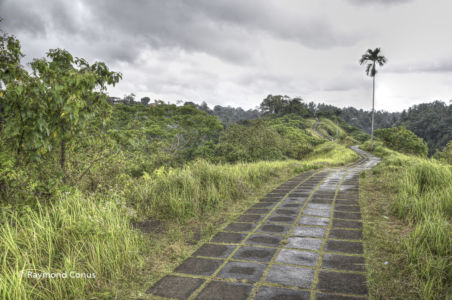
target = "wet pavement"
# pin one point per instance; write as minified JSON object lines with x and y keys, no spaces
{"x":303,"y":240}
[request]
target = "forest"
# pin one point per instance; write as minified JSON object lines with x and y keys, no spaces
{"x":127,"y":189}
{"x":431,"y":121}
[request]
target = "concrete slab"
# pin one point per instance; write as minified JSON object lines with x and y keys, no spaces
{"x":212,"y":250}
{"x":287,"y":212}
{"x":304,"y":243}
{"x":281,"y":219}
{"x":273,"y":228}
{"x":264,"y":240}
{"x":255,"y":254}
{"x":274,"y":293}
{"x":199,"y":266}
{"x":257,"y":211}
{"x":228,"y":237}
{"x":308,"y":220}
{"x":242,"y":270}
{"x":292,"y":206}
{"x":240,"y":227}
{"x":307,"y":231}
{"x":322,"y":296}
{"x":217,"y":290}
{"x":346,"y":283}
{"x":296,"y":257}
{"x":250,"y":218}
{"x":317,"y":212}
{"x":319,"y":206}
{"x":264,"y":205}
{"x":291,"y":276}
{"x":175,"y":287}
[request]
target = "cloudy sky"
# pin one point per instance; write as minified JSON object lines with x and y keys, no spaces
{"x":235,"y":52}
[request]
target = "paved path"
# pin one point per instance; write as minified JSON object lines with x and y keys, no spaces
{"x":302,"y":241}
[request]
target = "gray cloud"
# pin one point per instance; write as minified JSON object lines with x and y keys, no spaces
{"x":379,"y":2}
{"x":439,"y":66}
{"x":223,"y":29}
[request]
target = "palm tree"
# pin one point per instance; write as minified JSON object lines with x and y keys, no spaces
{"x":371,"y":58}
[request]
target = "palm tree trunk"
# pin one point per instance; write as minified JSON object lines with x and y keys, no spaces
{"x":373,"y":112}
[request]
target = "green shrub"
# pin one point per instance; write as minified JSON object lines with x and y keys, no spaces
{"x":402,"y":140}
{"x":252,"y":142}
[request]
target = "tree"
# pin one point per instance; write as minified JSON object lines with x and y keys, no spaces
{"x":145,"y":100}
{"x":129,"y":99}
{"x":43,"y":110}
{"x":371,"y":58}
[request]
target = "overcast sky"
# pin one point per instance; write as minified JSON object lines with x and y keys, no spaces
{"x":236,"y":52}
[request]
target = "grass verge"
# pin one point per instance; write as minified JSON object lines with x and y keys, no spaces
{"x":407,"y":205}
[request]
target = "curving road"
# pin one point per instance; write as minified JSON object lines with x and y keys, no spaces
{"x":303,"y":240}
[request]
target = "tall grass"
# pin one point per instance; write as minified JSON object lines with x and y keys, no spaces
{"x":201,"y":186}
{"x":74,"y":234}
{"x":425,"y":200}
{"x":332,"y":154}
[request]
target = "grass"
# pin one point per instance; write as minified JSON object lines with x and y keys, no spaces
{"x":74,"y":234}
{"x":199,"y":187}
{"x":332,"y":154}
{"x":93,"y":233}
{"x":407,"y":203}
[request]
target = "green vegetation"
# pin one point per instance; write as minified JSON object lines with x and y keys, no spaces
{"x":407,"y":202}
{"x":430,"y":121}
{"x":402,"y":140}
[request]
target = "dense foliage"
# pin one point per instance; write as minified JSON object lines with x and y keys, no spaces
{"x":430,"y":121}
{"x":402,"y":140}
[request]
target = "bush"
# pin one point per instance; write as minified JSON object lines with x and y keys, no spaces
{"x":402,"y":140}
{"x":253,"y":142}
